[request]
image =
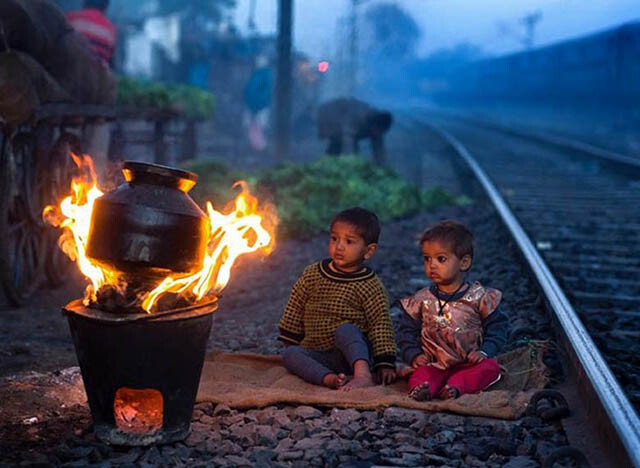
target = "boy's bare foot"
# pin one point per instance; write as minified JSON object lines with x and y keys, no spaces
{"x":421,"y":392}
{"x":334,"y":380}
{"x":449,"y":393}
{"x":361,"y":376}
{"x":358,"y":381}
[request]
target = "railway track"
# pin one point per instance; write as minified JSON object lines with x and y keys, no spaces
{"x":573,"y":213}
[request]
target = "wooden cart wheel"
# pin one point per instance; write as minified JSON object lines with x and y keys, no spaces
{"x":23,"y":247}
{"x":26,"y":250}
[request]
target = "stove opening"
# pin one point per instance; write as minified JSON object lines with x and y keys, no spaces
{"x":138,"y":411}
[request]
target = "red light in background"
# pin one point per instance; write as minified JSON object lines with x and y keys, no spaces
{"x":323,"y":66}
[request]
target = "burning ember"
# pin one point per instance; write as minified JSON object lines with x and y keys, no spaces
{"x":241,"y":228}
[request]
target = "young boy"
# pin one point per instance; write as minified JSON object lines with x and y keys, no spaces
{"x":337,"y":320}
{"x":450,"y":331}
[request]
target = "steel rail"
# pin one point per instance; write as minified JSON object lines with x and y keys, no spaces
{"x":619,"y":410}
{"x":532,"y":134}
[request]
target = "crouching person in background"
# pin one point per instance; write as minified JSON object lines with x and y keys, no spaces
{"x":349,"y":118}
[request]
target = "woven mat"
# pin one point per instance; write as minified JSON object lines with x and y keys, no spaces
{"x":253,"y":380}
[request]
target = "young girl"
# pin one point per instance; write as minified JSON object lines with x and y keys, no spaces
{"x":450,"y":331}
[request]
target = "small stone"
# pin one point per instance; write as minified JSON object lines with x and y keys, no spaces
{"x":206,"y":419}
{"x":298,"y":432}
{"x":205,"y":407}
{"x":378,"y":433}
{"x":369,"y":416}
{"x":544,"y":449}
{"x":520,"y":462}
{"x":402,"y":416}
{"x":347,"y":432}
{"x":129,"y":457}
{"x":283,"y":420}
{"x":450,"y":420}
{"x":403,"y":436}
{"x":312,"y":454}
{"x":250,"y":418}
{"x":337,"y":445}
{"x":530,"y":422}
{"x":410,"y":449}
{"x":430,"y":458}
{"x":307,"y":412}
{"x":234,"y":419}
{"x":183,"y":451}
{"x":285,"y":445}
{"x":265,"y":435}
{"x":267,"y":417}
{"x":405,"y":460}
{"x":196,"y":437}
{"x":221,"y":410}
{"x":309,"y":443}
{"x":81,"y":452}
{"x":230,"y":447}
{"x":244,"y":434}
{"x":292,"y":455}
{"x":238,"y":460}
{"x":151,"y":456}
{"x":445,"y":437}
{"x":419,"y":424}
{"x":262,"y":457}
{"x":344,"y":416}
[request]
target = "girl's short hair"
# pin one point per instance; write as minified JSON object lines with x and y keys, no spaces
{"x":365,"y":221}
{"x":453,"y":234}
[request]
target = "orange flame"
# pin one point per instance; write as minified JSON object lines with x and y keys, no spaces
{"x":73,"y":215}
{"x":233,"y":234}
{"x":242,"y":230}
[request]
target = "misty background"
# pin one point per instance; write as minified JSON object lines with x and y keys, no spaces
{"x":566,"y":66}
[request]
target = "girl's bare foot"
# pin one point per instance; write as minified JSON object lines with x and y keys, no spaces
{"x":449,"y":393}
{"x":421,"y":392}
{"x":334,"y":380}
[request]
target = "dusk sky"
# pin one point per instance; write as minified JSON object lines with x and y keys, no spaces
{"x":446,"y":23}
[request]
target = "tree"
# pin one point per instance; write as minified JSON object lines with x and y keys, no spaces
{"x":393,"y":32}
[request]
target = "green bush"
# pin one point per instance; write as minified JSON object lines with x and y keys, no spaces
{"x":308,"y":196}
{"x":136,"y":94}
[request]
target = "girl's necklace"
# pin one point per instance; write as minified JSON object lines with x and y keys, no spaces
{"x":443,"y":302}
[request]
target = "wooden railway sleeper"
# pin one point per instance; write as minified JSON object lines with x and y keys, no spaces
{"x":548,"y":405}
{"x":563,"y":454}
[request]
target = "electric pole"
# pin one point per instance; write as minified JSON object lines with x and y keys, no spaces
{"x":353,"y":48}
{"x":530,"y":22}
{"x":283,"y":81}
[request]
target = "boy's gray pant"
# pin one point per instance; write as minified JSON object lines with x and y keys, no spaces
{"x":350,"y":346}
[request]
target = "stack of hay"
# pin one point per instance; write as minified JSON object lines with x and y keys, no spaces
{"x":43,"y":60}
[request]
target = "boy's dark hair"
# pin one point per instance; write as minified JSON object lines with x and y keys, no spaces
{"x":101,"y":5}
{"x":365,"y":221}
{"x":452,"y":233}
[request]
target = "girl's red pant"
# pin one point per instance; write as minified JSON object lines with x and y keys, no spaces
{"x":466,"y":378}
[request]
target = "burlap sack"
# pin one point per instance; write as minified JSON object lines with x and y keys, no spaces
{"x":24,"y":85}
{"x":79,"y":70}
{"x":32,"y":26}
{"x":39,"y":29}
